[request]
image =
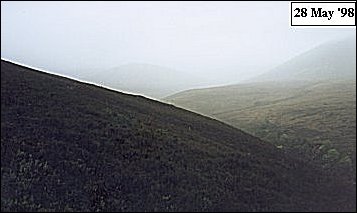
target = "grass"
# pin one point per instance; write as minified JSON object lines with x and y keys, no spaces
{"x":314,"y":117}
{"x":70,"y":146}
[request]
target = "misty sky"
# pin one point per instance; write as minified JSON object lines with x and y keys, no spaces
{"x":227,"y":40}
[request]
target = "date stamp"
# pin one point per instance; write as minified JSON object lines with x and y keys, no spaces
{"x":334,"y":14}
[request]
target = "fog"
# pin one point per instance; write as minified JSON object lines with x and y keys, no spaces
{"x":226,"y":42}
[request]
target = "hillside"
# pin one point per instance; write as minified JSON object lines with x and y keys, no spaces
{"x":320,"y":113}
{"x":307,"y":104}
{"x":70,"y":146}
{"x":328,"y":61}
{"x":147,"y":79}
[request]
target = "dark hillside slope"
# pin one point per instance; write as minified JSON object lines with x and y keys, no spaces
{"x":70,"y":146}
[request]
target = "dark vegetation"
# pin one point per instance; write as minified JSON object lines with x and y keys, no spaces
{"x":70,"y":146}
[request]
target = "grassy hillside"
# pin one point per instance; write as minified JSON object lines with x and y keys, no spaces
{"x":70,"y":146}
{"x":287,"y":114}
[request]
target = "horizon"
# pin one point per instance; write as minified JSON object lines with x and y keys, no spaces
{"x":214,"y":40}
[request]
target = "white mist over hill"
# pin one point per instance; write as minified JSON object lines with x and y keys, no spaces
{"x":210,"y":43}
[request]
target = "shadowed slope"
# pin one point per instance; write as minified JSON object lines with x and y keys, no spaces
{"x":67,"y":145}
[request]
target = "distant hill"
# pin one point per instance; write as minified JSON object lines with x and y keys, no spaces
{"x":71,"y":146}
{"x":147,"y":79}
{"x":332,"y":60}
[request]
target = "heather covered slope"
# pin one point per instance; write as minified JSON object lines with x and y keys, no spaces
{"x":70,"y":146}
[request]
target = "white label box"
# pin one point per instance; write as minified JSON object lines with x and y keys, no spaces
{"x":337,"y":14}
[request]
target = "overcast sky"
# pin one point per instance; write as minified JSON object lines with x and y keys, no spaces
{"x":224,"y":39}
